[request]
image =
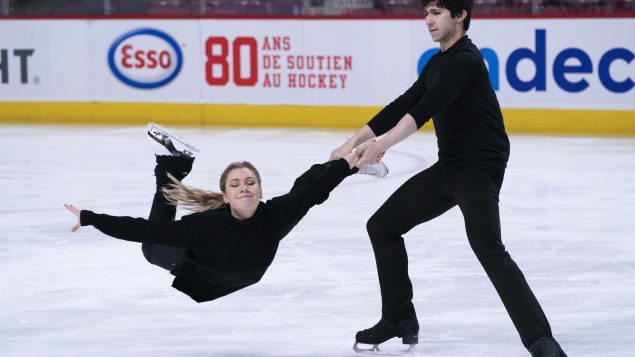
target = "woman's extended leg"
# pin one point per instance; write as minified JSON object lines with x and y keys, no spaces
{"x":169,"y":258}
{"x":179,"y":165}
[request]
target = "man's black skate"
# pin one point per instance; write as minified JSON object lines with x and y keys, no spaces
{"x":163,"y":143}
{"x":546,"y":347}
{"x":384,"y":330}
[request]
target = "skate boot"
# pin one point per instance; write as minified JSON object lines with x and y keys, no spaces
{"x":384,"y":330}
{"x":379,"y":170}
{"x":546,"y":347}
{"x":165,"y":143}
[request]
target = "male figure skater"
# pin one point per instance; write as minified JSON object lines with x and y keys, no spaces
{"x":455,"y":90}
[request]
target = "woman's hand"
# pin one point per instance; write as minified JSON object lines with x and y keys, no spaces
{"x":352,"y":160}
{"x":76,"y":211}
{"x":370,"y":152}
{"x":342,"y":151}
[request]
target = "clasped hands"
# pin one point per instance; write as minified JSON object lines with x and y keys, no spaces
{"x":370,"y":152}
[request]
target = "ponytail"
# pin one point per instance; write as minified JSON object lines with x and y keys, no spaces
{"x":191,"y":198}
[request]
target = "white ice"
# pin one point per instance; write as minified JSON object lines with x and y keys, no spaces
{"x":568,"y":213}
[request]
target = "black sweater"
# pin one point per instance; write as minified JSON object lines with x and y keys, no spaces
{"x":455,"y":89}
{"x":224,"y":254}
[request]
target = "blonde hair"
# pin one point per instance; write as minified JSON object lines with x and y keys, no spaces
{"x":198,"y":200}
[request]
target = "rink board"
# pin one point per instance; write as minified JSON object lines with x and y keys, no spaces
{"x":551,"y":76}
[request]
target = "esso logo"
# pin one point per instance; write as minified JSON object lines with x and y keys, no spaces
{"x":145,"y":58}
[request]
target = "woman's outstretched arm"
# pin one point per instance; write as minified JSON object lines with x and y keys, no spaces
{"x":310,"y":189}
{"x":173,"y":233}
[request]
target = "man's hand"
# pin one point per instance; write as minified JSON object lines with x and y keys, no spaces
{"x":370,"y":152}
{"x":360,"y":136}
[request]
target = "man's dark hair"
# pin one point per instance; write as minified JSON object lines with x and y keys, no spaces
{"x":455,"y":7}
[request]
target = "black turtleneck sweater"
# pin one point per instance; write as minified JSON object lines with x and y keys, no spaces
{"x":224,"y":254}
{"x":454,"y":88}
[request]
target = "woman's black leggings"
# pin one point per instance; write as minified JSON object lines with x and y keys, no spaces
{"x":429,"y":194}
{"x":167,"y":257}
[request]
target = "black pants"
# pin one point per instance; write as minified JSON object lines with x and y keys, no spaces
{"x":429,"y":194}
{"x":167,"y":257}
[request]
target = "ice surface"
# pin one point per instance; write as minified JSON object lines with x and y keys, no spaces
{"x":568,"y":216}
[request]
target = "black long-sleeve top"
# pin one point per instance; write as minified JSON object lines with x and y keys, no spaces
{"x":454,"y":88}
{"x":224,"y":254}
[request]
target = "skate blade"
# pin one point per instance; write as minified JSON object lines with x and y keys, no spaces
{"x":159,"y":128}
{"x":377,"y":352}
{"x":157,"y":147}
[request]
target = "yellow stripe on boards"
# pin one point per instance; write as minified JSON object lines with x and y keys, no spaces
{"x":98,"y":113}
{"x":570,"y":122}
{"x":288,"y":116}
{"x":527,"y":121}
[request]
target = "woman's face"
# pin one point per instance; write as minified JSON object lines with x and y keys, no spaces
{"x":242,"y":192}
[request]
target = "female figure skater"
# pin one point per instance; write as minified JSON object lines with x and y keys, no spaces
{"x":232,"y":238}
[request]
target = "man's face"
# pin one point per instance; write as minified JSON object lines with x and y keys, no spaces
{"x":441,"y":25}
